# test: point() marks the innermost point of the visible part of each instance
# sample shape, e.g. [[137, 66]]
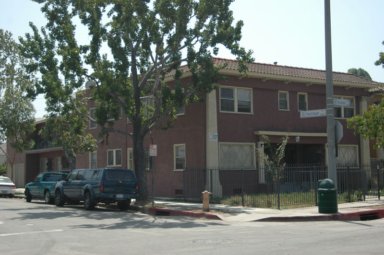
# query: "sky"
[[289, 32]]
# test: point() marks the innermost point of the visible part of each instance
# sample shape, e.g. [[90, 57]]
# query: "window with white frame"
[[92, 118], [302, 101], [180, 110], [237, 156], [283, 101], [93, 159], [130, 159], [348, 155], [345, 111], [237, 100], [114, 157], [179, 156]]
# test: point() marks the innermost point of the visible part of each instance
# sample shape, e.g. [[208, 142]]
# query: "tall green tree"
[[360, 72], [380, 61], [370, 124], [16, 110], [134, 47]]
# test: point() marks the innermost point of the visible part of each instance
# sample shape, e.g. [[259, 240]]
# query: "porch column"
[[212, 146], [364, 143]]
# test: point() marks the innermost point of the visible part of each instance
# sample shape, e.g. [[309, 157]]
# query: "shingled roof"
[[288, 73]]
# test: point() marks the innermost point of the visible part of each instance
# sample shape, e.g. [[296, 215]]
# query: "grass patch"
[[287, 200]]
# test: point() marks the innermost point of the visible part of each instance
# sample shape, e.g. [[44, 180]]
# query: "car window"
[[53, 177], [80, 175], [92, 174], [72, 175], [114, 175], [38, 177]]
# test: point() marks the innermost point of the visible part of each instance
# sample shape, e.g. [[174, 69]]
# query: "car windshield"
[[114, 175], [5, 180]]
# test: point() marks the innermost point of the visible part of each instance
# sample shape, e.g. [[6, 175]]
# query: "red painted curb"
[[171, 212], [352, 216]]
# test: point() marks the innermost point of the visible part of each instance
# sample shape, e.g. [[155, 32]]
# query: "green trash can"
[[327, 196]]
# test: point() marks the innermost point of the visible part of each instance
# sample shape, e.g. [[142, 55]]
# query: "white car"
[[7, 187]]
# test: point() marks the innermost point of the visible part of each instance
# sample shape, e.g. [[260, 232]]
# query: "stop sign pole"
[[329, 96]]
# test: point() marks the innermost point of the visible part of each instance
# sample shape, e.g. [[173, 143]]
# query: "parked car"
[[43, 186], [106, 185], [7, 187]]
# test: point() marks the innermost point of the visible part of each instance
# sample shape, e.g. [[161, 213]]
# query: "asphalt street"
[[36, 228]]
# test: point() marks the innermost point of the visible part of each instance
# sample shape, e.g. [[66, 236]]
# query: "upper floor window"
[[114, 157], [283, 101], [302, 101], [347, 110], [235, 100], [92, 118]]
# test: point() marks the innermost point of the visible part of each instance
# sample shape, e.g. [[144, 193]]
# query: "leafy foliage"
[[135, 48], [360, 72], [274, 158], [16, 111], [3, 169], [370, 124], [68, 130], [380, 61]]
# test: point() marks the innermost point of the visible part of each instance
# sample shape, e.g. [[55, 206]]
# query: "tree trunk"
[[139, 162]]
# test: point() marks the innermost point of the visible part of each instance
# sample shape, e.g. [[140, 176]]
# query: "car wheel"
[[59, 198], [47, 197], [124, 205], [89, 204], [28, 196]]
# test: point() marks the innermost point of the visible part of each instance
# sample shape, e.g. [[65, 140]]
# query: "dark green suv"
[[106, 185], [43, 186]]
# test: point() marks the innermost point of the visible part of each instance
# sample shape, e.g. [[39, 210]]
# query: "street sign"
[[341, 102], [313, 113]]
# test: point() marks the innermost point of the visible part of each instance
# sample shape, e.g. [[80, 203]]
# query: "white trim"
[[348, 107], [278, 100], [235, 99], [298, 100], [174, 157], [130, 151], [92, 118], [114, 157], [90, 159]]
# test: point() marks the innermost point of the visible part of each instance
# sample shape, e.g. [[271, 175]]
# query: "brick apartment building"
[[225, 131]]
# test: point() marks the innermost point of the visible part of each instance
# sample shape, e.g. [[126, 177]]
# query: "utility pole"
[[329, 96]]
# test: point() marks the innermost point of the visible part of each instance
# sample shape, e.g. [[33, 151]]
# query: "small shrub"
[[3, 169]]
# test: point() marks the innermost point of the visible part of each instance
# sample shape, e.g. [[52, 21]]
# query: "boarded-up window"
[[237, 156], [347, 155]]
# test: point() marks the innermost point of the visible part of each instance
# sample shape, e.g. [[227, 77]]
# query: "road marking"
[[31, 232]]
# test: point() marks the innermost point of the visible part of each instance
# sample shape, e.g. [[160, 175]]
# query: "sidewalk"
[[364, 210]]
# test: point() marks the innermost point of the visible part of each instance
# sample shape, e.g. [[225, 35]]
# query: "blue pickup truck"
[[43, 187]]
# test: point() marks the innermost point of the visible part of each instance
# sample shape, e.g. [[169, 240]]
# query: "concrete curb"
[[171, 212], [351, 216]]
